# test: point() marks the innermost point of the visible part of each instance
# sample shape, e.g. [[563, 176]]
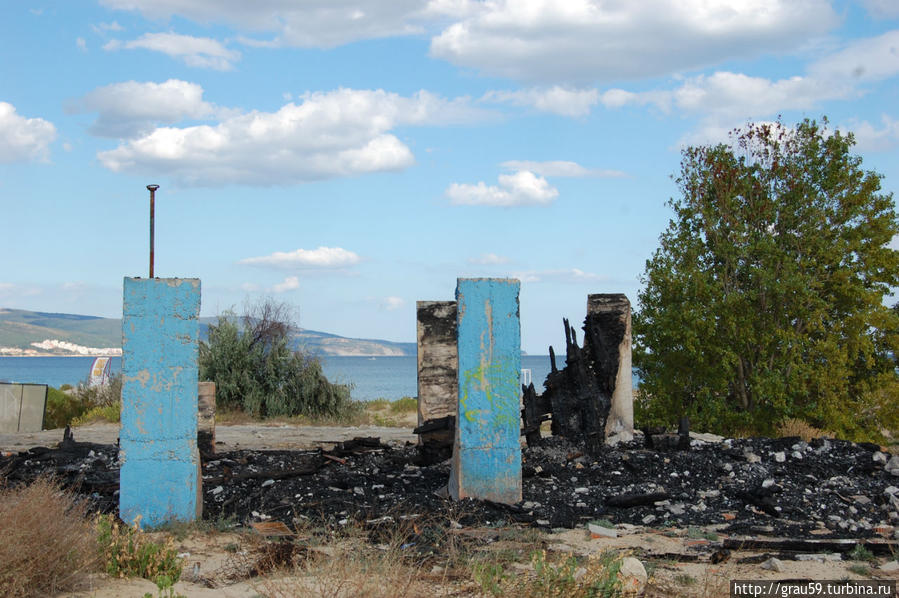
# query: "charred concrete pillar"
[[486, 460], [206, 418], [160, 475], [607, 343], [437, 366]]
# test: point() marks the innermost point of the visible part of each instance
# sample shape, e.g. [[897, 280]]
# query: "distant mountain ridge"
[[20, 328]]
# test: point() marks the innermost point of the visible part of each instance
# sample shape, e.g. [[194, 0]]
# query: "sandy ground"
[[228, 437]]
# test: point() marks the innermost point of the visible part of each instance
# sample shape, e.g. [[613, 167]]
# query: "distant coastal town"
[[58, 348]]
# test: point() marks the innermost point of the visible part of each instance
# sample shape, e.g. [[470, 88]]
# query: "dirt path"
[[240, 436]]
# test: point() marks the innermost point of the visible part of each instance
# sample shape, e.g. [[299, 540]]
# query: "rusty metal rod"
[[152, 189]]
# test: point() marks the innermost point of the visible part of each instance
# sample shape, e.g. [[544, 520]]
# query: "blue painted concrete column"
[[160, 475], [487, 452]]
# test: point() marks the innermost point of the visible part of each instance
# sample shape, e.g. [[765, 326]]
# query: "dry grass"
[[48, 542], [797, 427]]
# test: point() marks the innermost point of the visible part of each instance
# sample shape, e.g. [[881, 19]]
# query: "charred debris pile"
[[783, 487]]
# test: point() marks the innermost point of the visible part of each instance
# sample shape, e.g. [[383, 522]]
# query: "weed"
[[603, 523], [685, 579], [109, 413], [129, 551], [404, 405], [166, 588], [862, 570], [797, 427], [695, 533], [860, 553], [491, 577], [48, 541]]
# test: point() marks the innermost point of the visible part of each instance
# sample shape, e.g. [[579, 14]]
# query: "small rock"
[[773, 564], [216, 491], [768, 483], [892, 465], [581, 490], [780, 456], [752, 457], [889, 567], [862, 499], [632, 575], [267, 483], [649, 519], [879, 457], [678, 509], [729, 467], [891, 490], [542, 522], [796, 455], [358, 490], [823, 558]]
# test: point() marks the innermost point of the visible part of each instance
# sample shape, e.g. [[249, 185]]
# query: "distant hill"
[[20, 328]]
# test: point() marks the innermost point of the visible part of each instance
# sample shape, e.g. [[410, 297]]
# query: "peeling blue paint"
[[159, 480], [487, 451]]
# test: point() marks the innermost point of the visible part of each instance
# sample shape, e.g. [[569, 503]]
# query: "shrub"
[[84, 404], [62, 408], [129, 552], [255, 370], [48, 543]]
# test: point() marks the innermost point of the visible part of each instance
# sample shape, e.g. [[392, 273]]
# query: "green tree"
[[255, 370], [765, 298]]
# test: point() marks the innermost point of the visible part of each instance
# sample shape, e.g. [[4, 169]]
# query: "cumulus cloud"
[[311, 23], [290, 283], [322, 257], [489, 259], [556, 100], [887, 9], [328, 134], [103, 28], [865, 60], [133, 108], [562, 168], [201, 52], [23, 139], [591, 40], [571, 276], [869, 137], [522, 188], [392, 303]]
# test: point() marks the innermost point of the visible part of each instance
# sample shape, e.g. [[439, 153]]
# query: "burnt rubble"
[[773, 487]]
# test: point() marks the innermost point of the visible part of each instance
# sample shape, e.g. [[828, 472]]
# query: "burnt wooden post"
[[607, 346], [437, 368]]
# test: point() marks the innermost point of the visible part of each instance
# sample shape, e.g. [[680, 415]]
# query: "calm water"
[[372, 378]]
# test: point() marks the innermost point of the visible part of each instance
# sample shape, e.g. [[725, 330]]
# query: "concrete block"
[[160, 476], [437, 364], [22, 407], [486, 460]]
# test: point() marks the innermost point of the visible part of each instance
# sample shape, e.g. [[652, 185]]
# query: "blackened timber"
[[635, 500]]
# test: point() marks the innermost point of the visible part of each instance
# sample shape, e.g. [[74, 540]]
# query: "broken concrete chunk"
[[773, 564], [605, 532]]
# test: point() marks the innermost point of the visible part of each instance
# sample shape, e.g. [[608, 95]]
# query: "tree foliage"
[[255, 370], [764, 300]]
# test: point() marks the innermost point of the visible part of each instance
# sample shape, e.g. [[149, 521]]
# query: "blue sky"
[[352, 157]]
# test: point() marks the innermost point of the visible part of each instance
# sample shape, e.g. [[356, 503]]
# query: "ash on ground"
[[777, 487]]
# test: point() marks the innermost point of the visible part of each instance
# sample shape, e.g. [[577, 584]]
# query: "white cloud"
[[329, 134], [870, 138], [562, 168], [322, 257], [23, 139], [591, 40], [103, 28], [290, 283], [570, 276], [311, 23], [201, 52], [519, 189], [392, 303], [864, 60], [133, 108], [887, 9], [81, 44], [556, 100], [489, 259]]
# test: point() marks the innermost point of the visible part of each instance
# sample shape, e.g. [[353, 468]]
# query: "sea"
[[370, 377]]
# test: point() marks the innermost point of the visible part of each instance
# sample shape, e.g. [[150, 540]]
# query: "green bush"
[[83, 404], [255, 370]]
